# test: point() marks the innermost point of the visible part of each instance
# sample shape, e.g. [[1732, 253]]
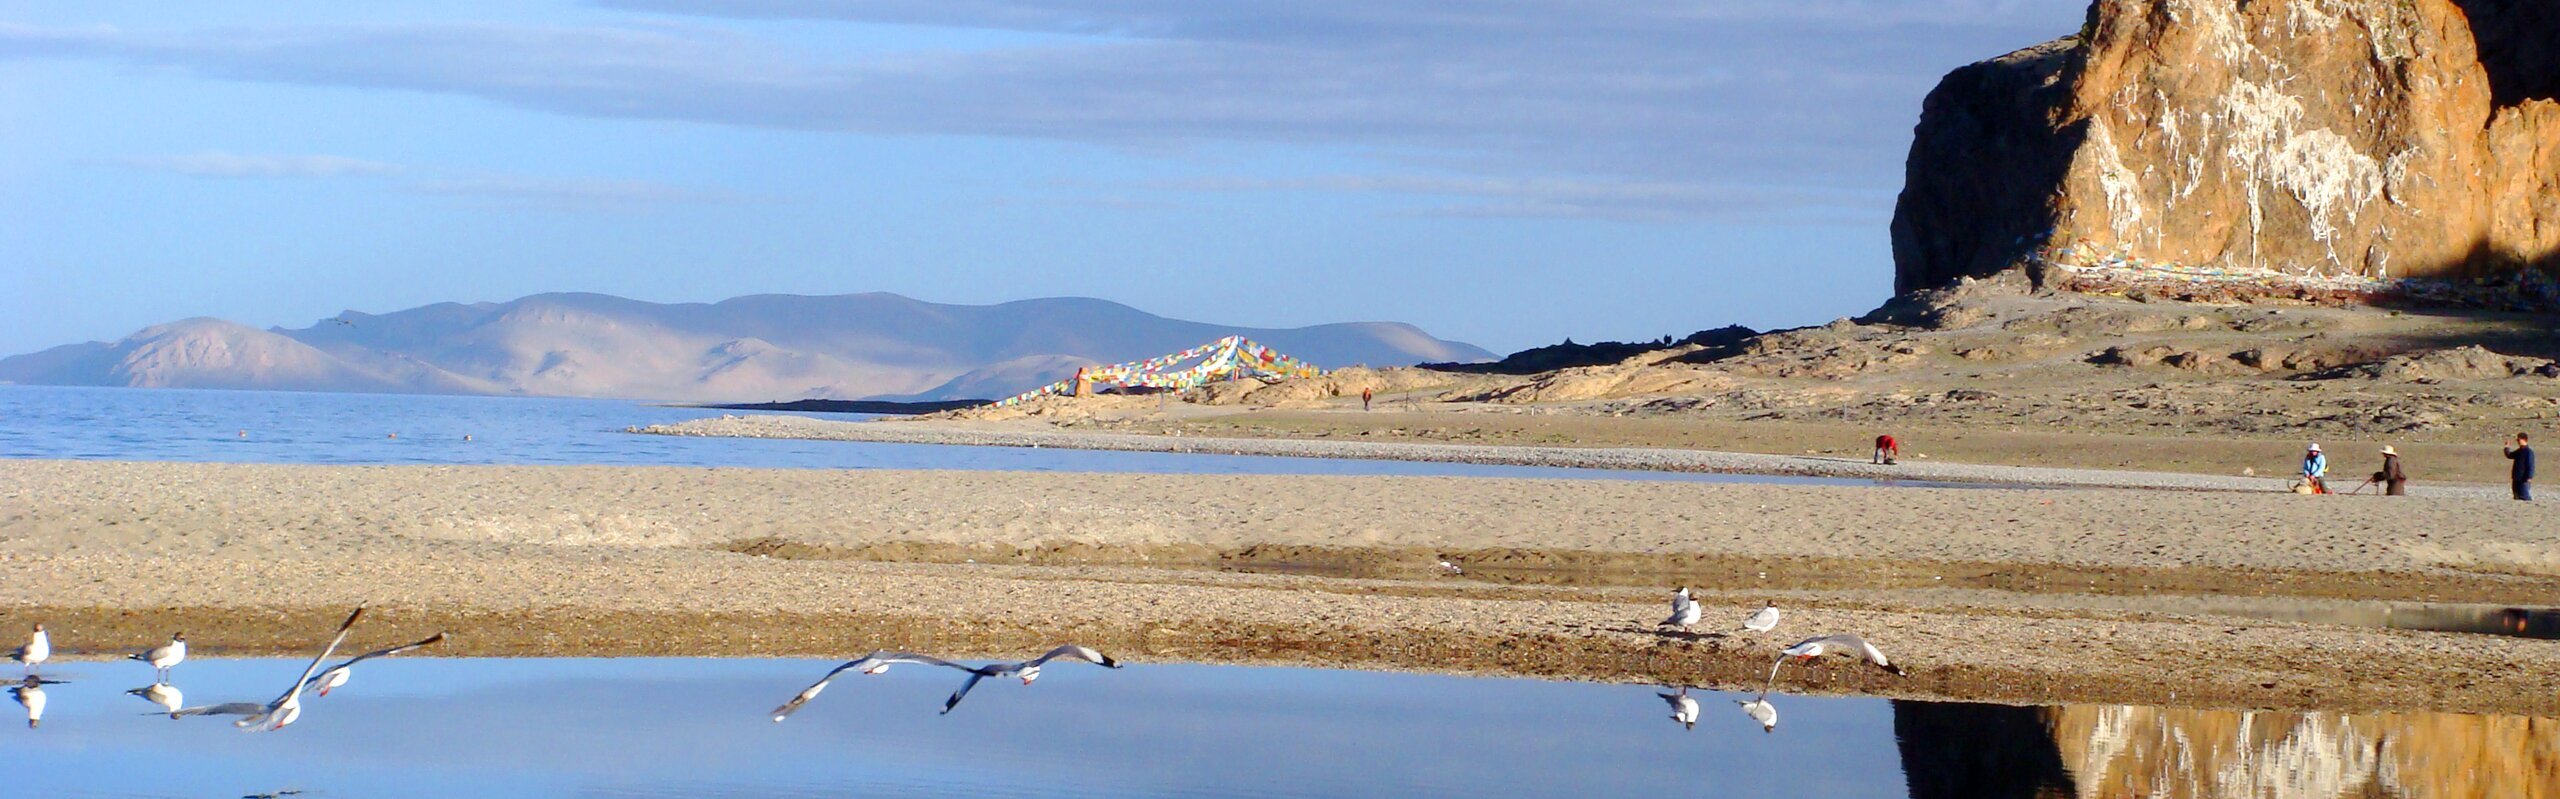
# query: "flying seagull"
[[1763, 621], [1807, 650], [337, 675], [163, 657], [1683, 709], [873, 663], [39, 647], [284, 709], [1684, 611], [1027, 670]]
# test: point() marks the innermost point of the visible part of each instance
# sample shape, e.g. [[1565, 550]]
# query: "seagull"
[[164, 657], [39, 646], [1683, 708], [167, 696], [1027, 670], [1763, 621], [873, 663], [285, 709], [1807, 650], [337, 675], [1684, 611], [1761, 711], [30, 693]]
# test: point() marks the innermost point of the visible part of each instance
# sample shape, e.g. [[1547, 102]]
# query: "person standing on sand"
[[2520, 473], [2395, 483], [1887, 450], [1364, 399], [2315, 466]]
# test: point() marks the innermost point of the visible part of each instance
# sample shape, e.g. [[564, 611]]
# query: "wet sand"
[[672, 561]]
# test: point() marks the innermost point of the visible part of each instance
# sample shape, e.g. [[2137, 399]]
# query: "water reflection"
[[1972, 750], [697, 728], [30, 694], [167, 696]]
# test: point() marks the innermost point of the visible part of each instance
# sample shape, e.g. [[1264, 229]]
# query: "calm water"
[[697, 728], [292, 427]]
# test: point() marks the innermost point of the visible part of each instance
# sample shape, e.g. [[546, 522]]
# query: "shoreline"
[[1650, 459]]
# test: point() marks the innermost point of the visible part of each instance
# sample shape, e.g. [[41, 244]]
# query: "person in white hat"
[[2395, 483], [2315, 466]]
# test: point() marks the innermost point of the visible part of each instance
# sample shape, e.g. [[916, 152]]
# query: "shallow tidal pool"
[[429, 727]]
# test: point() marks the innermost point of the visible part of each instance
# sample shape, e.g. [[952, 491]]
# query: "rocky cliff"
[[2271, 141]]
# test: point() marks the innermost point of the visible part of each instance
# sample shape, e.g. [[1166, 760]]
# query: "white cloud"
[[1740, 92], [571, 192], [234, 165]]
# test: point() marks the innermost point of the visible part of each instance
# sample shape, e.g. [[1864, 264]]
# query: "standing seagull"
[[1027, 670], [164, 657], [337, 675], [1807, 650], [1763, 621], [1684, 611], [39, 647], [1683, 708], [167, 696], [873, 663], [1761, 711]]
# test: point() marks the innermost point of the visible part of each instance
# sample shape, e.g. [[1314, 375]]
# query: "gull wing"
[[378, 653], [1073, 652], [325, 652], [224, 709], [956, 696], [864, 662]]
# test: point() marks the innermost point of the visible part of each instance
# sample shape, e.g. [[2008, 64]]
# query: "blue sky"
[[1505, 172]]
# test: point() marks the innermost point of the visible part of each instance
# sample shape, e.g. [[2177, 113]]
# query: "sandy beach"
[[1564, 578]]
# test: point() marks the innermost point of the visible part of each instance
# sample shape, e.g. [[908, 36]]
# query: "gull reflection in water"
[[30, 693], [167, 696], [1683, 709], [1759, 709]]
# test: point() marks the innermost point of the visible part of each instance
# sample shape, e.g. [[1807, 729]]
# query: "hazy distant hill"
[[764, 347]]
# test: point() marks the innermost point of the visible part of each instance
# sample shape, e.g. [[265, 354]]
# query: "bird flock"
[[1686, 613], [267, 716], [286, 707]]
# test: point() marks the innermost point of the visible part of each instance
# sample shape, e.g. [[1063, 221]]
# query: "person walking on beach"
[[1364, 399], [2520, 473], [2315, 466], [1888, 451], [2395, 483]]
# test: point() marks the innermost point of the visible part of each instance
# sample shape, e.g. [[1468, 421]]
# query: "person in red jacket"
[[1887, 449]]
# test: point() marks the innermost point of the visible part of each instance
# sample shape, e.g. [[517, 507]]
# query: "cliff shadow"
[[2519, 44], [1962, 750]]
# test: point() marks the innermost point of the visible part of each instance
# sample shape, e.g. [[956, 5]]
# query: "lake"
[[295, 427], [426, 727]]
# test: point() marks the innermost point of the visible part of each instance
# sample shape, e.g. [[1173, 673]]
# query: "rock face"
[[2352, 139]]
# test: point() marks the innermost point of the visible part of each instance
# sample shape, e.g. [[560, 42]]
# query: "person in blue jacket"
[[2520, 473]]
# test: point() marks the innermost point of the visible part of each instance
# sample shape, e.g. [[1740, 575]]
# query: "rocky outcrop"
[[2222, 141]]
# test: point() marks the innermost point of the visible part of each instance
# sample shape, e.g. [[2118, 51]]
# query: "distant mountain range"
[[748, 349]]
